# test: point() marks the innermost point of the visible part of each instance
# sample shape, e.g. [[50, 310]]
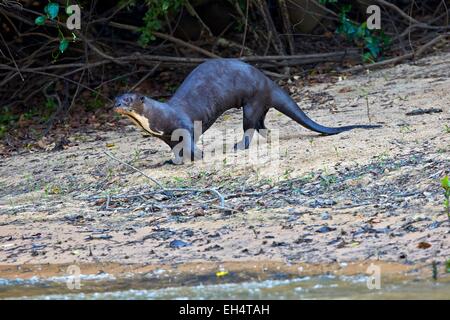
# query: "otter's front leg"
[[182, 157], [185, 150]]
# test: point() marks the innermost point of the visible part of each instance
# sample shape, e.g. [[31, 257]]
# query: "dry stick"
[[306, 57], [446, 11], [163, 189], [231, 44], [245, 18], [273, 34], [146, 59], [400, 11], [194, 13], [275, 75], [54, 76], [381, 63], [12, 57], [417, 24], [206, 190], [135, 169], [430, 43], [287, 25], [166, 37], [244, 38], [145, 77], [311, 58]]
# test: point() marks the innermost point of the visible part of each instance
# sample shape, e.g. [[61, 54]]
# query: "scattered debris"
[[418, 112]]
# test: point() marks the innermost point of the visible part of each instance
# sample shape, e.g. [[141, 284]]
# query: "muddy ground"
[[357, 196]]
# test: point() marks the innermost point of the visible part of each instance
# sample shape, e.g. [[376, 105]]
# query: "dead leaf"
[[100, 202], [423, 245], [41, 144], [345, 89]]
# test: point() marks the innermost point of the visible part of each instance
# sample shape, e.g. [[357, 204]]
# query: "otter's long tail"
[[284, 103]]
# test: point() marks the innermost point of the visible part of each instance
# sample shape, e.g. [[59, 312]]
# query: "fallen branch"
[[400, 11], [194, 13], [273, 34], [303, 58], [164, 190], [135, 169], [287, 25], [420, 111], [166, 37]]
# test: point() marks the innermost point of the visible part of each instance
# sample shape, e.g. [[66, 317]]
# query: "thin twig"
[[287, 25], [166, 37], [273, 34], [151, 72], [193, 12], [135, 169], [219, 196]]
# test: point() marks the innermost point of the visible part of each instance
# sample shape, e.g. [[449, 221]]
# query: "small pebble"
[[175, 244], [325, 216]]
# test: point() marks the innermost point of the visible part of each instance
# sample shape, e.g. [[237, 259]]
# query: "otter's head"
[[132, 105]]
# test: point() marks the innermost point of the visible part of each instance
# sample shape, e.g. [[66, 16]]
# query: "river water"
[[314, 287]]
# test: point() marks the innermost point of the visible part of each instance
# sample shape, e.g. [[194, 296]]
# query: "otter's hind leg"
[[253, 120]]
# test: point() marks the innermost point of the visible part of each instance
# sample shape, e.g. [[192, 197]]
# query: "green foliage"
[[446, 128], [40, 20], [445, 183], [3, 130], [50, 107], [63, 44], [326, 180], [373, 42], [41, 113], [6, 119], [447, 266], [156, 11], [52, 11], [95, 103]]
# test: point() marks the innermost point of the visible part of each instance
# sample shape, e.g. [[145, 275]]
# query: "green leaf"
[[367, 57], [52, 10], [40, 20], [447, 266], [373, 46], [445, 182], [165, 5], [63, 44], [346, 8]]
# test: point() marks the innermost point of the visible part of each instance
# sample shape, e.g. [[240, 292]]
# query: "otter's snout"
[[128, 102], [124, 102]]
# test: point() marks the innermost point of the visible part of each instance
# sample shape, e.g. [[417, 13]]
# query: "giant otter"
[[209, 90]]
